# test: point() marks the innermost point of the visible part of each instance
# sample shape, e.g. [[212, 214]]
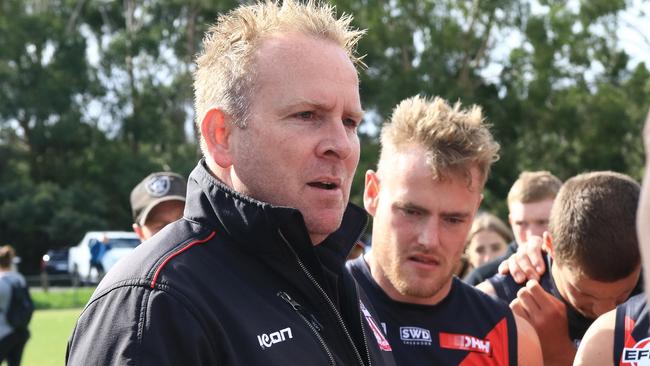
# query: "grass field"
[[68, 298], [50, 330]]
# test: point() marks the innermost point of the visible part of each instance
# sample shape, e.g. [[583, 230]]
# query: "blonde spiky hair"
[[455, 139]]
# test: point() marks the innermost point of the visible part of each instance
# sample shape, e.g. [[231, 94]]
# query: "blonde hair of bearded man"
[[455, 139]]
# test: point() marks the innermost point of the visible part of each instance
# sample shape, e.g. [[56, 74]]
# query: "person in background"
[[593, 260], [434, 161], [12, 341], [159, 199], [621, 336], [254, 272], [529, 204], [488, 238], [98, 249]]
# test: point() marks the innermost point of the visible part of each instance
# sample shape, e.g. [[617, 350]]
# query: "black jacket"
[[234, 282]]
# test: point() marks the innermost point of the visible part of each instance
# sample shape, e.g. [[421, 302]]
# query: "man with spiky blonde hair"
[[434, 162], [253, 274], [455, 140]]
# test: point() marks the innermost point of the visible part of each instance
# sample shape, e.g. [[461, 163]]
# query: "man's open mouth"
[[424, 260], [323, 185]]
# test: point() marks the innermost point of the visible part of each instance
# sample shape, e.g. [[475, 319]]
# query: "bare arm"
[[597, 346], [487, 288], [643, 214], [529, 350], [548, 316]]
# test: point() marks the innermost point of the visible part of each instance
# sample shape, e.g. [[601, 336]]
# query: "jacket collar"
[[252, 223]]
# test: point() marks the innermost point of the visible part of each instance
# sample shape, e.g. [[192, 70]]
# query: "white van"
[[121, 243]]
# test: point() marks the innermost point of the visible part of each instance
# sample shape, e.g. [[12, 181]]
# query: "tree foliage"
[[94, 95]]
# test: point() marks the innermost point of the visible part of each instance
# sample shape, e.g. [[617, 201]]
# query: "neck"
[[223, 174]]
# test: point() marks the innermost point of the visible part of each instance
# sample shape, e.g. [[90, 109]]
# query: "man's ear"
[[371, 192], [216, 133], [547, 244], [138, 230]]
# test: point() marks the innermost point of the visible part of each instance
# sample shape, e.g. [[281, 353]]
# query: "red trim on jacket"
[[201, 241]]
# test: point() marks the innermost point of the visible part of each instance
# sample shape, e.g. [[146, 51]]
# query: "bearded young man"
[[434, 162]]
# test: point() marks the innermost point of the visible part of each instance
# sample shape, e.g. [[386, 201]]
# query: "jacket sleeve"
[[140, 326]]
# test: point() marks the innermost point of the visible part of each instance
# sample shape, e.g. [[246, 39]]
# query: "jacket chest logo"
[[267, 340]]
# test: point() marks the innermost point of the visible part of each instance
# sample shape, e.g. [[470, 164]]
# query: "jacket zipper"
[[361, 316], [329, 302], [363, 330], [313, 324]]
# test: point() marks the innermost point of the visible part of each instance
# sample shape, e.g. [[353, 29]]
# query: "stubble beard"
[[424, 288]]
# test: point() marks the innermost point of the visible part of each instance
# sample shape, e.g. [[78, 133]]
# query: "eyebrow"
[[312, 104], [597, 297], [412, 206]]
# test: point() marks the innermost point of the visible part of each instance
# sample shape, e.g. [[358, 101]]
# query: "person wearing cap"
[[156, 201]]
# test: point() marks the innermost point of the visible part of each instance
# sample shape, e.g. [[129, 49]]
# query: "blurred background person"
[[159, 199], [98, 249], [488, 239], [12, 339], [529, 206]]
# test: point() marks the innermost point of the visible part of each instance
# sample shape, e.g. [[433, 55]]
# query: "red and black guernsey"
[[632, 332], [466, 328]]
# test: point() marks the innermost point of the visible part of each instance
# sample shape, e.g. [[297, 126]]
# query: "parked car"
[[120, 242], [54, 264]]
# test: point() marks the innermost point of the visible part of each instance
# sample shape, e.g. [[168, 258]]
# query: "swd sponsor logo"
[[415, 336], [638, 355], [267, 340]]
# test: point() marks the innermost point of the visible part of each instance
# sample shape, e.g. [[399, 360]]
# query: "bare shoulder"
[[487, 288], [597, 346], [529, 352]]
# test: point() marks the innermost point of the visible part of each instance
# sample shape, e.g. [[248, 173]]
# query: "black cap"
[[154, 189]]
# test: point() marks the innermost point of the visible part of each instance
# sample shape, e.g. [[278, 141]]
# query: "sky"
[[632, 25], [634, 32]]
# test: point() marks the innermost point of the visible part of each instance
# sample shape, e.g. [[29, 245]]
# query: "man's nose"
[[430, 234], [336, 140]]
